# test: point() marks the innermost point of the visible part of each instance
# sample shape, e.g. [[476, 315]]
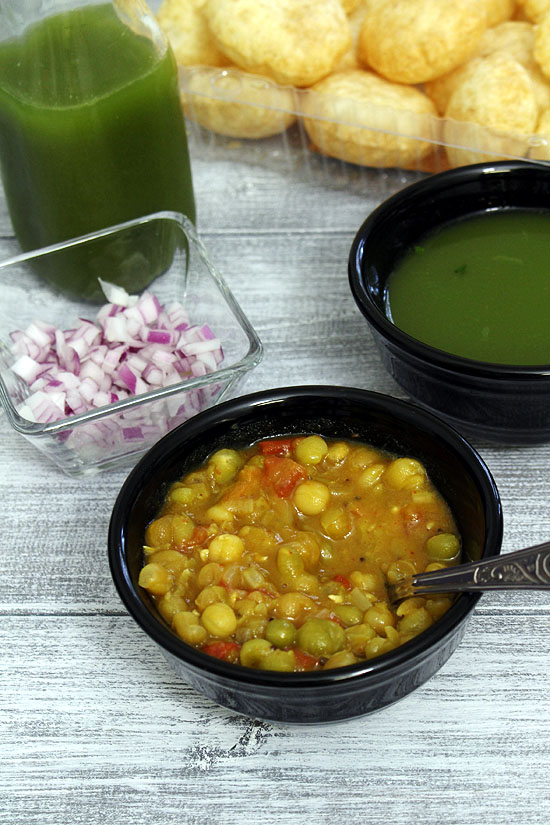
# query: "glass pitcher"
[[92, 132]]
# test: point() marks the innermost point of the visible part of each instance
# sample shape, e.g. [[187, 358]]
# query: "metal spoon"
[[527, 569]]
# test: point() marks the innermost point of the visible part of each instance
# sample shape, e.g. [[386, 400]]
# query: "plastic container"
[[236, 102], [118, 433]]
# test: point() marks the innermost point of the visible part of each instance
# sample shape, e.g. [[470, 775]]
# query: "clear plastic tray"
[[425, 139]]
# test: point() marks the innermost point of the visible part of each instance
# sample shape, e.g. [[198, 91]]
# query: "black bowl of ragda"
[[257, 542]]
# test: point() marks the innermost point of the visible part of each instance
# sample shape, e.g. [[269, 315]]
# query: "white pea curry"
[[278, 556]]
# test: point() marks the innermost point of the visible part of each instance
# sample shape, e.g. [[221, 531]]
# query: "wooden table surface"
[[95, 727]]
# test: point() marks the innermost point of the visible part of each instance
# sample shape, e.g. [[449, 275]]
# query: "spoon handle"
[[527, 569]]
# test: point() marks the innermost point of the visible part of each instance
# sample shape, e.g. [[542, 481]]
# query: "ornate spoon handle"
[[527, 569]]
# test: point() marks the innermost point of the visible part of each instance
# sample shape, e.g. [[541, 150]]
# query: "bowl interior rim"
[[227, 411]]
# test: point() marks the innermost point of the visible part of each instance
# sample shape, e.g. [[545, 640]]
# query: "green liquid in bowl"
[[92, 134], [479, 288]]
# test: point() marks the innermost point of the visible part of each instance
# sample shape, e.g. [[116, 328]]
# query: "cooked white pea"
[[335, 522], [405, 473], [219, 619], [224, 465], [311, 450], [225, 548], [311, 497], [156, 578]]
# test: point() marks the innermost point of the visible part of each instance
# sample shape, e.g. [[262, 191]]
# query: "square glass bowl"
[[117, 433]]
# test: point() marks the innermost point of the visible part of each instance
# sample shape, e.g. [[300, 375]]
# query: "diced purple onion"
[[134, 345]]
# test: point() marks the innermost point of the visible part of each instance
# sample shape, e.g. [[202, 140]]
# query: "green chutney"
[[92, 133], [479, 288]]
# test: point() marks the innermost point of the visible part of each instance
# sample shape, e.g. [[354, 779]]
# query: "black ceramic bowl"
[[391, 424], [505, 404]]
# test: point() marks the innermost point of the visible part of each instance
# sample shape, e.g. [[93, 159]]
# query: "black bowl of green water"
[[452, 274]]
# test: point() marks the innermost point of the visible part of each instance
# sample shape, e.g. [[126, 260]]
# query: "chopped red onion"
[[116, 330], [27, 368], [117, 294], [148, 307], [88, 389], [134, 345], [197, 347], [38, 333]]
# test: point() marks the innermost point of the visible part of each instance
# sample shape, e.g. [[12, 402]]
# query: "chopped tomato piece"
[[283, 474], [197, 537], [247, 484], [276, 446], [228, 651], [343, 580], [304, 661]]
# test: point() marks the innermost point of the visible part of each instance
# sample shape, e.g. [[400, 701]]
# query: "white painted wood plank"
[[114, 730]]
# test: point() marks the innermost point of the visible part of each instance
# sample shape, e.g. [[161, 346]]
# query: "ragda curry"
[[278, 556]]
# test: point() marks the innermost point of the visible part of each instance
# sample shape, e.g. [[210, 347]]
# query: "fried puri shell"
[[295, 42], [541, 48], [350, 59], [534, 10], [441, 89], [499, 10], [498, 103], [185, 25], [513, 38], [542, 150], [413, 41], [237, 104], [361, 118], [350, 5]]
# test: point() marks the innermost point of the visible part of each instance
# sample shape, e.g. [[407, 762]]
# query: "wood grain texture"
[[95, 727]]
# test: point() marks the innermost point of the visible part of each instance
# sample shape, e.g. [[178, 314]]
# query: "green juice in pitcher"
[[92, 134]]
